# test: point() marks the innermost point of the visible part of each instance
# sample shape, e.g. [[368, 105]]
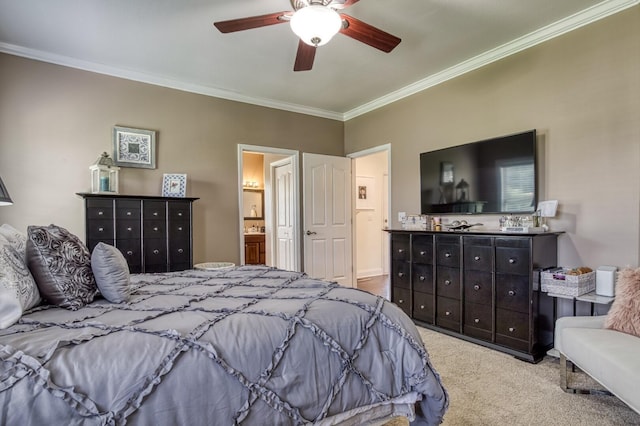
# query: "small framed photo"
[[174, 185], [134, 147], [364, 193]]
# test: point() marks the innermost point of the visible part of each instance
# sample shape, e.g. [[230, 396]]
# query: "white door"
[[284, 214], [327, 218]]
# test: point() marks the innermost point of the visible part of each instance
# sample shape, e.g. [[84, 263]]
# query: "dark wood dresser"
[[479, 286], [153, 233]]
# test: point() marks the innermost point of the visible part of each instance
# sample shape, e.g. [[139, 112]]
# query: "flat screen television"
[[493, 176]]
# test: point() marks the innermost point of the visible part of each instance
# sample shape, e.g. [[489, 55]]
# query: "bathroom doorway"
[[262, 201]]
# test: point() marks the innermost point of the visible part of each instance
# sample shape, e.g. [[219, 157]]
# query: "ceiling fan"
[[316, 22]]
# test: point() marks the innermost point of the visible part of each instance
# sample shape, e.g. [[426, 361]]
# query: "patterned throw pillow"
[[16, 238], [111, 271], [61, 266], [18, 290]]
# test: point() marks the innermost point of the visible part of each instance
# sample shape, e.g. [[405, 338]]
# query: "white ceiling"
[[173, 43]]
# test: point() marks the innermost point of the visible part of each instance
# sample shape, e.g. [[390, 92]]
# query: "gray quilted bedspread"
[[248, 345]]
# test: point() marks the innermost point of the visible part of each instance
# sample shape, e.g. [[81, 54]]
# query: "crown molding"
[[163, 81], [580, 19]]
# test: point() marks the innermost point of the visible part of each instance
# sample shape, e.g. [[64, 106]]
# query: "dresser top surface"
[[138, 197], [494, 233]]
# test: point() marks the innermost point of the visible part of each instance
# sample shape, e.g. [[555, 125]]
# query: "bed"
[[249, 345]]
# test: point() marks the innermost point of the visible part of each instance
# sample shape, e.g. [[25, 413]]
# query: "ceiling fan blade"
[[241, 24], [305, 56], [342, 4], [367, 34]]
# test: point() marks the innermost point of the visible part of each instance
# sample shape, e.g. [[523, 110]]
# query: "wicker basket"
[[557, 282]]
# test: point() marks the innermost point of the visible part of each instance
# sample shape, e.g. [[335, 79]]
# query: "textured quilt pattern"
[[249, 345]]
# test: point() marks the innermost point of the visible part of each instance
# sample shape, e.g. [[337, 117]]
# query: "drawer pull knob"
[[400, 274], [512, 329], [447, 282], [400, 301], [476, 287], [180, 251], [422, 253], [421, 306], [512, 293], [129, 229], [100, 229], [447, 313], [128, 213], [512, 261], [155, 213], [129, 253], [100, 213], [179, 228], [179, 213], [156, 251], [422, 278], [155, 228], [447, 254], [477, 258], [400, 250], [476, 320]]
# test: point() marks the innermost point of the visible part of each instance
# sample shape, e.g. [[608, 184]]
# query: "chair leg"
[[563, 373], [564, 366]]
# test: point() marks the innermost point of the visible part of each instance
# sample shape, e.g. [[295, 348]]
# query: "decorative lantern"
[[462, 190], [104, 175]]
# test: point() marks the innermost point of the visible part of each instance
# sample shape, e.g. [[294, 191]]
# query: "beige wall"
[[55, 122], [581, 91]]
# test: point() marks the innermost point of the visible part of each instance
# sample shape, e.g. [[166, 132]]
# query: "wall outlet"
[[401, 216]]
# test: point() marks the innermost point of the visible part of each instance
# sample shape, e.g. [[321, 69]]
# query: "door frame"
[[295, 161], [353, 156]]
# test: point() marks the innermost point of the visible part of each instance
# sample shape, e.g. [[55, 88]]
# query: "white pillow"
[[18, 289], [10, 307]]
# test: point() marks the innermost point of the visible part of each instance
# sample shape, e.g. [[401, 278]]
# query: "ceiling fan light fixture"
[[315, 24]]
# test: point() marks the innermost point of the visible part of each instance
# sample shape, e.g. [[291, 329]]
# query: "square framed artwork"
[[134, 147], [174, 185]]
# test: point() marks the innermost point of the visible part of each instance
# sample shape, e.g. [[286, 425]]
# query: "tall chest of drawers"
[[482, 287], [153, 233]]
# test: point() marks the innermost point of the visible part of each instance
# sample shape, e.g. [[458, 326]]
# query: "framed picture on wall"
[[134, 147], [365, 193], [174, 185]]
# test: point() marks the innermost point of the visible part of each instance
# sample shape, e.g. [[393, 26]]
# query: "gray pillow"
[[111, 271], [61, 266]]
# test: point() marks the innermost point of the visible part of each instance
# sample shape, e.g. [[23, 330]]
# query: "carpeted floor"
[[487, 387]]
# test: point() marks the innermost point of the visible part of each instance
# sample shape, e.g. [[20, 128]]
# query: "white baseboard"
[[366, 273]]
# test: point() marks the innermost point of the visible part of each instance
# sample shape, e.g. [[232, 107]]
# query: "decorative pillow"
[[15, 238], [624, 314], [61, 266], [18, 290], [111, 271]]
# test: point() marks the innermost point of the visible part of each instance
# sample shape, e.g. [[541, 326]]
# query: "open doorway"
[[371, 171], [261, 199]]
